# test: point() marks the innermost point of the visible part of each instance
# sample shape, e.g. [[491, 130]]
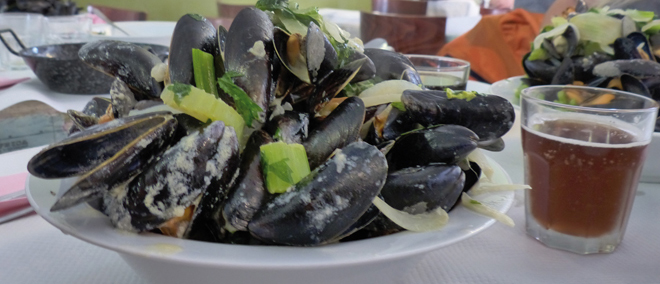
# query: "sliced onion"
[[478, 157], [386, 92], [483, 186], [424, 222], [482, 209]]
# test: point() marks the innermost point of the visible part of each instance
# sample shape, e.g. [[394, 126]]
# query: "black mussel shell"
[[325, 203], [392, 65], [191, 31], [145, 139], [565, 73], [207, 221], [249, 51], [249, 192], [446, 144], [129, 62], [290, 127], [339, 129], [489, 116], [418, 190], [368, 69]]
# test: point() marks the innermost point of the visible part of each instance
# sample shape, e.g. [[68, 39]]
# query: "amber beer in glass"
[[583, 160]]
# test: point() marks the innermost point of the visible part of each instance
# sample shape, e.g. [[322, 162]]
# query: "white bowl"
[[651, 170], [139, 31], [160, 259]]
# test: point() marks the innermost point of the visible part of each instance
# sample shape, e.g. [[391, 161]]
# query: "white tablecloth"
[[34, 252]]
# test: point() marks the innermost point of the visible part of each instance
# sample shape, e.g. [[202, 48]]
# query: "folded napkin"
[[8, 82], [496, 45], [13, 202]]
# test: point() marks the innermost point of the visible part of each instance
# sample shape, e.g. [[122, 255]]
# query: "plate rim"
[[272, 257]]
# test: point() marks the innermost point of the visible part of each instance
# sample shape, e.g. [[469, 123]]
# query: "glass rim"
[[524, 94], [465, 63]]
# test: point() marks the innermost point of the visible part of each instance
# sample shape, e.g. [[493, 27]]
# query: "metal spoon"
[[93, 10]]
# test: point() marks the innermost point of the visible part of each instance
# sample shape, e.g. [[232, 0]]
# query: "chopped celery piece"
[[283, 165], [202, 105], [204, 71], [652, 27]]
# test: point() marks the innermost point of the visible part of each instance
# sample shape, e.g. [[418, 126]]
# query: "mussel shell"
[[155, 133], [634, 85], [249, 193], [207, 221], [320, 54], [164, 190], [329, 86], [122, 98], [368, 69], [565, 73], [85, 150], [541, 70], [339, 129], [129, 62], [191, 31], [584, 66], [97, 106], [290, 127], [489, 116], [446, 144], [639, 68], [392, 65], [81, 121], [250, 27], [418, 190], [326, 202]]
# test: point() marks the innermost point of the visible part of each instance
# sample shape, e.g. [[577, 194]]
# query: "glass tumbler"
[[29, 27], [439, 72], [583, 154]]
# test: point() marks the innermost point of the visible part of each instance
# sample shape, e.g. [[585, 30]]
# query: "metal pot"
[[61, 70]]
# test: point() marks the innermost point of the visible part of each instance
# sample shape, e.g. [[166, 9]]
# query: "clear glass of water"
[[29, 27]]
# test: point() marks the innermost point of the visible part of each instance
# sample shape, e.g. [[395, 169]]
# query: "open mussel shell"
[[191, 31], [634, 46], [130, 63], [331, 85], [418, 190], [392, 65], [446, 144], [339, 129], [249, 51], [85, 150], [326, 202], [145, 139], [489, 116], [123, 99], [321, 55]]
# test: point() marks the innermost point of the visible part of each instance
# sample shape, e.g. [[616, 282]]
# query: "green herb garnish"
[[245, 106], [180, 91]]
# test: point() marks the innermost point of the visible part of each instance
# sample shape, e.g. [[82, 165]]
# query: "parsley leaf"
[[245, 106]]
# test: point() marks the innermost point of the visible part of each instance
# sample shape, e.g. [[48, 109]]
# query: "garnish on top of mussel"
[[260, 134], [609, 48]]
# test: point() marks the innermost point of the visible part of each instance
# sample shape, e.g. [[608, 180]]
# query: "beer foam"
[[609, 122]]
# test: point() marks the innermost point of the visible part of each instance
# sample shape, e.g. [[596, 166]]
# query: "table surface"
[[33, 251]]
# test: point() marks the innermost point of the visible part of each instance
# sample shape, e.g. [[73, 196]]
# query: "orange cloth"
[[496, 45]]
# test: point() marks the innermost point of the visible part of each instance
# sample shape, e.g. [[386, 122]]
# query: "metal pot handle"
[[2, 38]]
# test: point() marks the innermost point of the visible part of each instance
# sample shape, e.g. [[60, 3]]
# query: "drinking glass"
[[583, 154], [438, 72], [29, 27], [69, 29]]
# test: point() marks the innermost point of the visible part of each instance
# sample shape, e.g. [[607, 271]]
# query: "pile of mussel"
[[150, 168], [627, 58]]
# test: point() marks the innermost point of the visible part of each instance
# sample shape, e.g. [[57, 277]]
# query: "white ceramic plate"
[[139, 31], [160, 258], [507, 88]]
